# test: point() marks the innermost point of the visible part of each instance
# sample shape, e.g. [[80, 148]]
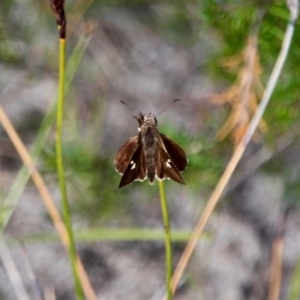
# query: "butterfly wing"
[[124, 155], [130, 161], [176, 153], [166, 166]]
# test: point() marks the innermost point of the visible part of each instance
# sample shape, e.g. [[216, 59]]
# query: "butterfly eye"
[[155, 120]]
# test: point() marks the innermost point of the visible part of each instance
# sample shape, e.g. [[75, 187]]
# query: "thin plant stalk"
[[294, 290], [106, 234], [44, 131], [238, 153], [60, 166], [46, 197], [168, 242], [12, 271], [277, 258], [36, 287], [276, 269]]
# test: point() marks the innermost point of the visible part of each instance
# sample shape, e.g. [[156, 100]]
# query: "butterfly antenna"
[[126, 105], [134, 110], [176, 100]]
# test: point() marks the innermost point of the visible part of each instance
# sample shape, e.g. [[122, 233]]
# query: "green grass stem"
[[168, 242], [109, 234], [60, 167]]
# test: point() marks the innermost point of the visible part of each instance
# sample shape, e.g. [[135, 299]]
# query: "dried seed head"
[[59, 12]]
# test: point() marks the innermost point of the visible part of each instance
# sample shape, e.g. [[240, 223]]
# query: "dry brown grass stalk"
[[48, 201]]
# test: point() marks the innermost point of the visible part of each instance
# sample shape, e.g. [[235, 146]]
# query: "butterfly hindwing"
[[166, 167], [176, 153]]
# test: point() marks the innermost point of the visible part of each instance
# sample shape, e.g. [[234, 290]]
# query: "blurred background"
[[215, 56]]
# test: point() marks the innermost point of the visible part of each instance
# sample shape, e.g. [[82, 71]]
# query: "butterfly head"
[[150, 119], [147, 119]]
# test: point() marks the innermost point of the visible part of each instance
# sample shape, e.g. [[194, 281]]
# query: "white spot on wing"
[[133, 166], [168, 163]]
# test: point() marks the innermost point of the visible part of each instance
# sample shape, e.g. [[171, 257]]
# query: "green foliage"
[[231, 19], [234, 22]]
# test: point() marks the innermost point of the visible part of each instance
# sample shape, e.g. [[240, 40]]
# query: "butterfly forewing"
[[136, 169], [176, 153], [124, 155]]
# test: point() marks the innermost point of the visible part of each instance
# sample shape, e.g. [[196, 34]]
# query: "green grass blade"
[[108, 234]]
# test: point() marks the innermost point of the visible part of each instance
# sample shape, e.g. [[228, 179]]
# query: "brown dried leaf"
[[244, 93]]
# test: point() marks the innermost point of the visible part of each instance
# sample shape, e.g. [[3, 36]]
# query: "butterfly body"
[[149, 136], [149, 154]]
